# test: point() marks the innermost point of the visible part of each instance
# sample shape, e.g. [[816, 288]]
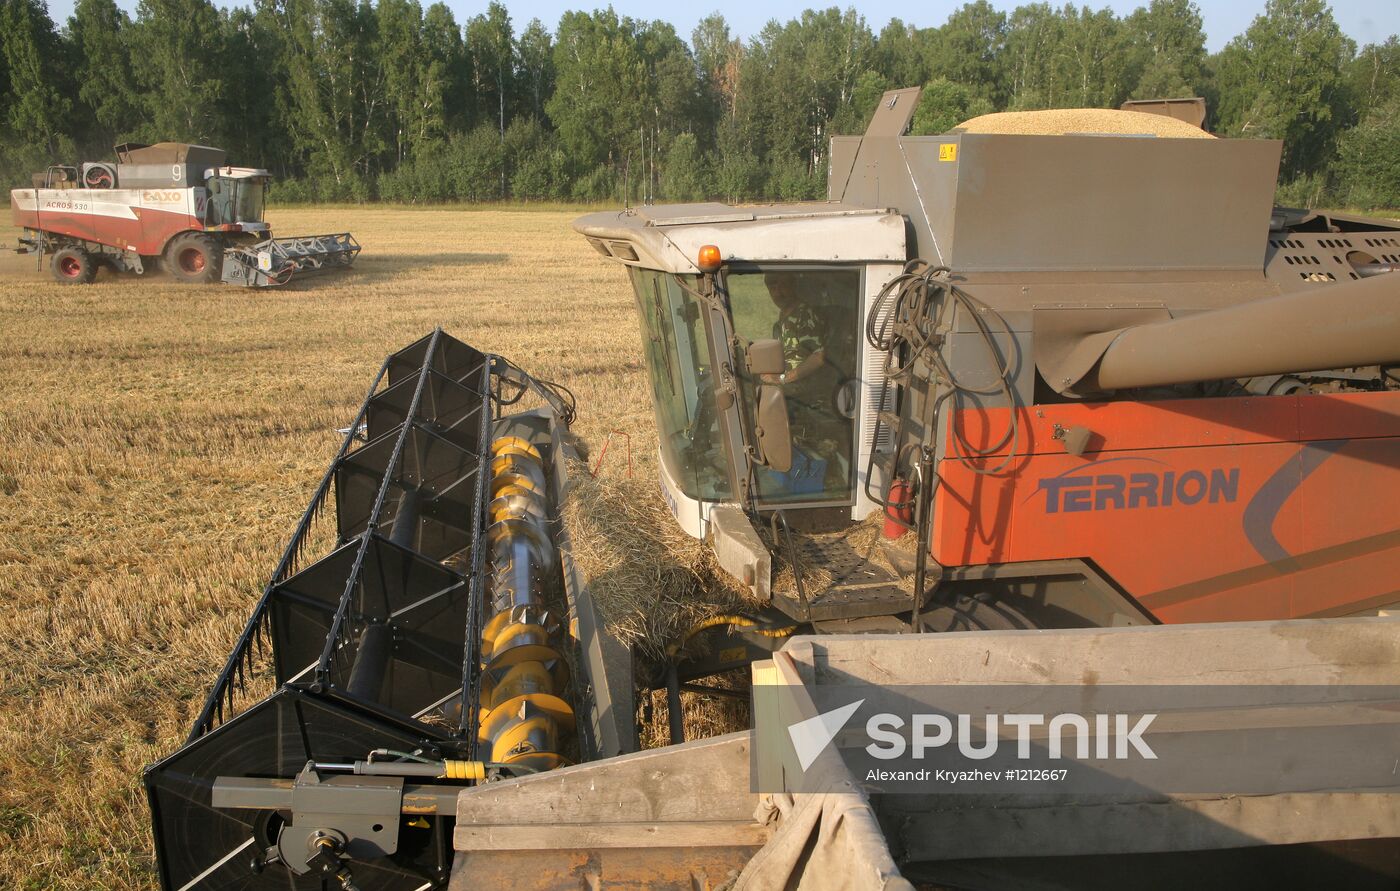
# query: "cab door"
[[815, 312]]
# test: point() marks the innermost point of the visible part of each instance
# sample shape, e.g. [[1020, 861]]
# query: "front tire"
[[195, 259], [74, 266]]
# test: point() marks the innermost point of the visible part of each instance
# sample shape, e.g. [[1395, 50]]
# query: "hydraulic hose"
[[747, 623]]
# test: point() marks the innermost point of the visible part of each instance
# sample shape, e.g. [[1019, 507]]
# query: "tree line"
[[354, 100]]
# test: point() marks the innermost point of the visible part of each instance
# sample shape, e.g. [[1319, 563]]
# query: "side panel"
[[1111, 203], [167, 212], [61, 211], [1202, 510], [142, 220]]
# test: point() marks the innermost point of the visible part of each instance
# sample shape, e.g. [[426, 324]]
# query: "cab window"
[[675, 341], [814, 312], [234, 200]]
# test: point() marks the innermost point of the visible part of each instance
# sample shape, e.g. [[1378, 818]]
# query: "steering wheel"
[[846, 397]]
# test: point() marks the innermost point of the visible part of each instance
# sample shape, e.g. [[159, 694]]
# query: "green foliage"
[[599, 87], [260, 138], [476, 165], [534, 166], [539, 170], [97, 34], [624, 91], [1282, 79], [686, 174], [491, 48], [901, 53], [1093, 65], [801, 77], [332, 90], [177, 59], [943, 105], [1373, 78], [597, 184], [468, 167], [969, 50], [534, 53], [353, 100], [718, 54], [1034, 35], [1367, 168], [37, 100], [738, 173], [1167, 50], [1307, 190], [398, 45], [792, 179]]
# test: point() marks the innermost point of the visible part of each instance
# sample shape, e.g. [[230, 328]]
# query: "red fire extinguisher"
[[899, 508]]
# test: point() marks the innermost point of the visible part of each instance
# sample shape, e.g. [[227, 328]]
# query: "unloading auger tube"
[[418, 656], [1351, 323]]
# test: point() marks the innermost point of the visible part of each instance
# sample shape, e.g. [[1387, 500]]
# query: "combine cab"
[[176, 203]]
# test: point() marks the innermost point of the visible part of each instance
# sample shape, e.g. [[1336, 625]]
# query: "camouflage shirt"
[[802, 333]]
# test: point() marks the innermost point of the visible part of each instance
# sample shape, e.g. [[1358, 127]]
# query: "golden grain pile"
[[159, 441], [1059, 121]]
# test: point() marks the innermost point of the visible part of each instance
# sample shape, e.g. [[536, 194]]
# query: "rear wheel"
[[74, 266], [194, 258]]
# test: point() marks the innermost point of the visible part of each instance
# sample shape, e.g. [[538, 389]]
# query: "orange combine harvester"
[[1103, 378]]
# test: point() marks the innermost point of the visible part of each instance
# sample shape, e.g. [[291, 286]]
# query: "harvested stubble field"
[[158, 442]]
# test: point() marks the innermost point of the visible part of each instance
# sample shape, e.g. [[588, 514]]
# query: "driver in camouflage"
[[809, 380]]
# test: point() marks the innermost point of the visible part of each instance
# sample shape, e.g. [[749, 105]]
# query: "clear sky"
[[1365, 21]]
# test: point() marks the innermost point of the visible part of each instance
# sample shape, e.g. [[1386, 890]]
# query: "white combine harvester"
[[171, 201]]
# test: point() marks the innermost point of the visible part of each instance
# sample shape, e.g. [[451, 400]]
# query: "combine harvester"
[[1125, 424], [173, 202]]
